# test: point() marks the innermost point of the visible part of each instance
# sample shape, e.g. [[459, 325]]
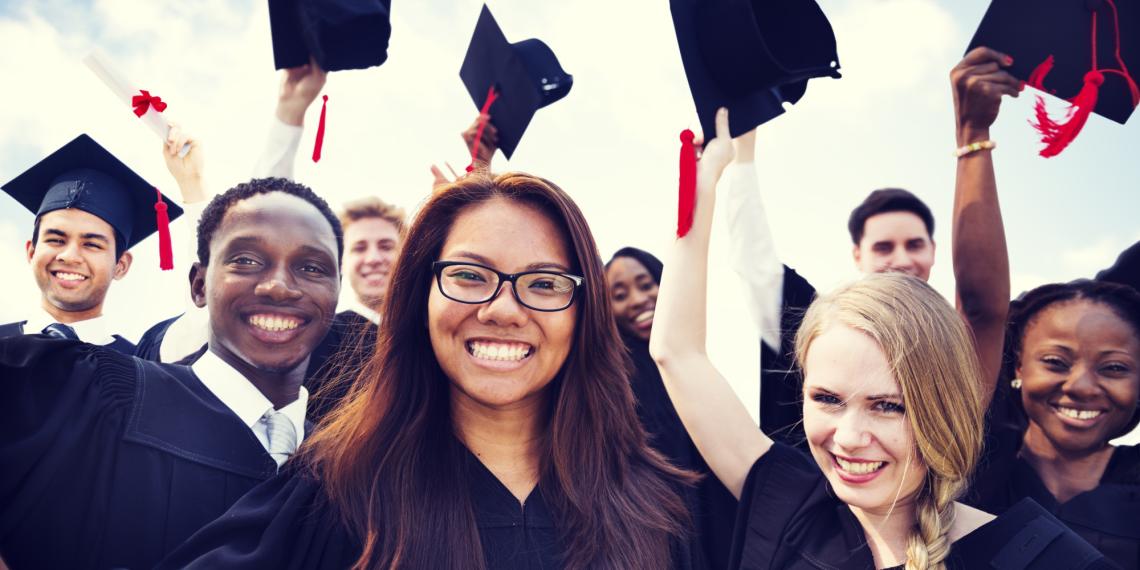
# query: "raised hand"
[[187, 170], [488, 142], [979, 81], [299, 88]]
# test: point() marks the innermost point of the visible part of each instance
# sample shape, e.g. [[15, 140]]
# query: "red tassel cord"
[[320, 142], [1057, 134], [484, 115], [687, 186], [162, 220]]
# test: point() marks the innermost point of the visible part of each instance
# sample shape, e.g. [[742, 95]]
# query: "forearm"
[[980, 257], [280, 151], [715, 418]]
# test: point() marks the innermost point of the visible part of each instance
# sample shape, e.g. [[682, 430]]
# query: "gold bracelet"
[[975, 147]]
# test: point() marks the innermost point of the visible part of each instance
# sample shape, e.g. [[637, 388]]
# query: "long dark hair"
[[1122, 299], [394, 470]]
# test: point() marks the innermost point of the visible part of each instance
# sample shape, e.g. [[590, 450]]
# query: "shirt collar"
[[361, 309], [93, 330], [241, 396]]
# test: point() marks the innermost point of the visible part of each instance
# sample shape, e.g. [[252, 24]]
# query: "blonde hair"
[[932, 357], [373, 207]]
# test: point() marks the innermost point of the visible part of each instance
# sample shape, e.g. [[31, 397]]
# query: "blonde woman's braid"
[[930, 543]]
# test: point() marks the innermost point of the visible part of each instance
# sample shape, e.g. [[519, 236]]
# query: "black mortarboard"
[[1126, 270], [84, 175], [751, 56], [526, 77], [338, 34], [1061, 33]]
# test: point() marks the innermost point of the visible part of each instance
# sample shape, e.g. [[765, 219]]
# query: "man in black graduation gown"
[[111, 461], [90, 210]]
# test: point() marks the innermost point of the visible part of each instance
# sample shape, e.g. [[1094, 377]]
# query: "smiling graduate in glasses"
[[495, 425]]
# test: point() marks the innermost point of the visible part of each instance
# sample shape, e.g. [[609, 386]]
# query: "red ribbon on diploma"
[[145, 101]]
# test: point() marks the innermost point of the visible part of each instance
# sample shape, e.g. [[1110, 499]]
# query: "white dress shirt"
[[245, 400], [752, 252], [92, 331]]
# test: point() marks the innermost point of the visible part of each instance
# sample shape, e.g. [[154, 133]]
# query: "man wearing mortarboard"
[[90, 209]]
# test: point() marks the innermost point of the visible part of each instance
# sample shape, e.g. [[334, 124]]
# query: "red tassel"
[[483, 116], [165, 248], [320, 142], [1058, 134], [1037, 78], [687, 187]]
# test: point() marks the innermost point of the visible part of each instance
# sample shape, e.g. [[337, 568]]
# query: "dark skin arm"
[[981, 261]]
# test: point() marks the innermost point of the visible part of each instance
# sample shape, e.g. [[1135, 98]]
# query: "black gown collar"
[[176, 413]]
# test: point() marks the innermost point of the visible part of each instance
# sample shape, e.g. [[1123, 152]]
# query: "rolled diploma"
[[100, 64]]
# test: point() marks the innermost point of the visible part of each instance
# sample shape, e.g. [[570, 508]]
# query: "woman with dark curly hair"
[[1072, 380], [493, 428]]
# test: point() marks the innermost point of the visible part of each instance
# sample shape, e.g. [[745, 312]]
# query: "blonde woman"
[[893, 415]]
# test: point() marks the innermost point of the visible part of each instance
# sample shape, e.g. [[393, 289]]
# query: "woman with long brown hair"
[[494, 427]]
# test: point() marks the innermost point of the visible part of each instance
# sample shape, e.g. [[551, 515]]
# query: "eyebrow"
[[539, 266], [89, 235], [869, 398]]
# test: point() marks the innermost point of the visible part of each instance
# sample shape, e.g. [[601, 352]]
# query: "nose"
[[1081, 384], [901, 259], [68, 253], [372, 255], [851, 431], [503, 309], [638, 298], [278, 286]]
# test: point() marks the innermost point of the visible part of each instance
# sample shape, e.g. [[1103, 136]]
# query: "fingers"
[[454, 174], [982, 54], [176, 138], [722, 124], [1000, 82]]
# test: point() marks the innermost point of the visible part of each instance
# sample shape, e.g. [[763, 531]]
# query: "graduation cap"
[[338, 34], [1078, 50], [751, 56], [85, 176], [510, 81]]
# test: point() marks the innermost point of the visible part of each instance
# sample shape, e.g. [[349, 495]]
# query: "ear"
[[856, 255], [31, 250], [123, 265], [198, 284]]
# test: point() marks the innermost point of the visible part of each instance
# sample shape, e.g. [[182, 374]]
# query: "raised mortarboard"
[[338, 34], [751, 56], [85, 176], [510, 81], [1078, 50]]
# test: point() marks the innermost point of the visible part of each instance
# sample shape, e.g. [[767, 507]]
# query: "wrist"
[[290, 114], [969, 134]]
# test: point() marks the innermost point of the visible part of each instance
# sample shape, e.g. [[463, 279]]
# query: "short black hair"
[[886, 200], [217, 208], [120, 243], [651, 263], [1121, 299]]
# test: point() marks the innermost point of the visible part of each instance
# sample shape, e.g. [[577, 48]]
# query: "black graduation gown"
[[781, 394], [1108, 517], [111, 461], [120, 344], [789, 518], [337, 360], [712, 505], [151, 341], [289, 524]]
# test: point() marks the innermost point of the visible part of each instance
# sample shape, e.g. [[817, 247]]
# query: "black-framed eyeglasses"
[[475, 284]]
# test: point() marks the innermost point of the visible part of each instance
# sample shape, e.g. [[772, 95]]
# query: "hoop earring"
[[1015, 383]]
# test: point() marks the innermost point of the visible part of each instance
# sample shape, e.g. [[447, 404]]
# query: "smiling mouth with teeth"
[[644, 317], [66, 276], [274, 323], [500, 351], [1077, 414], [859, 467]]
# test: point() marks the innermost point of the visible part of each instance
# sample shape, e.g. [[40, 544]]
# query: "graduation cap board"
[[751, 56], [338, 34], [510, 81], [85, 176], [1078, 50]]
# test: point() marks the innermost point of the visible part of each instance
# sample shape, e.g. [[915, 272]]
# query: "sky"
[[611, 143]]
